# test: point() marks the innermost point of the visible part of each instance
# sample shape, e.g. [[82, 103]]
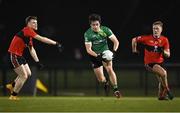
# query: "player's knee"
[[29, 73], [164, 74], [101, 79], [24, 76], [109, 69]]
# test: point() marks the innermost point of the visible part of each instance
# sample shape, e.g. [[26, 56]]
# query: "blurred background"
[[69, 72]]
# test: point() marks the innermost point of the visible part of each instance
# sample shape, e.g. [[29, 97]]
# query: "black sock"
[[105, 82], [13, 84], [14, 93]]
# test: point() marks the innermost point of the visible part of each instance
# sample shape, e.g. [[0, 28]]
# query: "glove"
[[99, 57], [39, 65], [114, 53], [59, 46]]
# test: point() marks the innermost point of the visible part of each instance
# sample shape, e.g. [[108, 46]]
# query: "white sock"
[[19, 84]]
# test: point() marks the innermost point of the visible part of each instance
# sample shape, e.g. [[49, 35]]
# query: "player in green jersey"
[[96, 43]]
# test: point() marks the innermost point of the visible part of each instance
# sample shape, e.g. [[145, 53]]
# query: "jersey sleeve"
[[140, 39], [28, 32], [87, 38], [108, 32]]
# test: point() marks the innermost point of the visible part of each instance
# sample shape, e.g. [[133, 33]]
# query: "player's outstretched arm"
[[49, 41], [134, 45], [45, 40]]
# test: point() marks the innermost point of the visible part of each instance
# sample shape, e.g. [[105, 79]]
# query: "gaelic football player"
[[156, 49], [96, 43], [24, 39]]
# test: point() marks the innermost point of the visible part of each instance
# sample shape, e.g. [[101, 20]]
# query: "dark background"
[[67, 20]]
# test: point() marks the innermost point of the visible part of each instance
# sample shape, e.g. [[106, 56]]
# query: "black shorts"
[[151, 65], [95, 62], [16, 60]]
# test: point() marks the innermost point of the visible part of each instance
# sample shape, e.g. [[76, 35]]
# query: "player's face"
[[33, 24], [95, 26], [157, 30]]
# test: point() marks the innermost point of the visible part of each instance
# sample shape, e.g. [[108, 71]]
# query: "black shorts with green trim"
[[95, 63]]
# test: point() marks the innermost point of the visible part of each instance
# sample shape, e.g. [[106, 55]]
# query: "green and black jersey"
[[98, 39]]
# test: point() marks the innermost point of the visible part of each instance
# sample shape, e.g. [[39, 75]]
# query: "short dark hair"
[[30, 18], [158, 23], [94, 17]]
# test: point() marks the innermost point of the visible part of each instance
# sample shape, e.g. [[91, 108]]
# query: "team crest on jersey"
[[156, 42], [159, 41]]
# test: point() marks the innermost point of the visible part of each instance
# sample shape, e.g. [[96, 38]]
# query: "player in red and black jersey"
[[24, 39], [156, 48]]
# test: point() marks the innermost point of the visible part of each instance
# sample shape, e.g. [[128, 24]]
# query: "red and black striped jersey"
[[21, 40], [153, 48]]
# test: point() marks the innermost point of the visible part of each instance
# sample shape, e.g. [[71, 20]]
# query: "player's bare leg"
[[163, 77], [162, 95], [99, 74], [112, 77], [11, 85], [102, 79], [22, 77]]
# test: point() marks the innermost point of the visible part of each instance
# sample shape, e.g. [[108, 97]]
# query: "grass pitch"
[[88, 104]]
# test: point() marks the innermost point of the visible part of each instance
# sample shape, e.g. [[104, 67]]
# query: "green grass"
[[88, 104]]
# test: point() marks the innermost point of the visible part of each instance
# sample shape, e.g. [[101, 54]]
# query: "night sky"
[[67, 20]]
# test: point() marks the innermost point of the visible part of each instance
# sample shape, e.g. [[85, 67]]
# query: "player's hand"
[[136, 53], [39, 65], [59, 46], [99, 57], [134, 50]]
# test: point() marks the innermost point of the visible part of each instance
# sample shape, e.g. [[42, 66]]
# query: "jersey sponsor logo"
[[99, 41], [151, 41], [155, 48], [155, 42]]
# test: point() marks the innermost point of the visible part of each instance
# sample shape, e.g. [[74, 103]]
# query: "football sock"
[[14, 93], [19, 83], [115, 88], [13, 84]]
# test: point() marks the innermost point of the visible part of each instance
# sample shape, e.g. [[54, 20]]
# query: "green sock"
[[115, 88]]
